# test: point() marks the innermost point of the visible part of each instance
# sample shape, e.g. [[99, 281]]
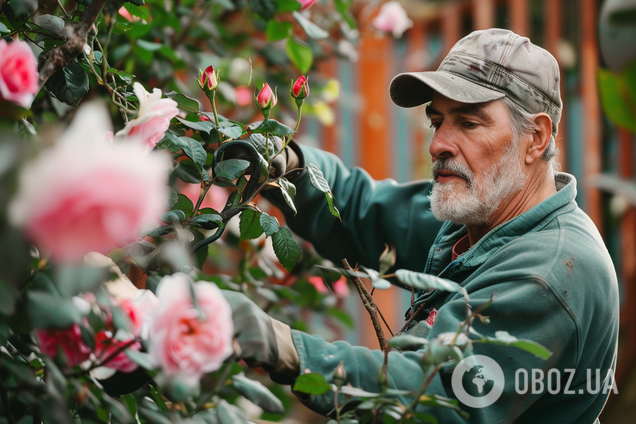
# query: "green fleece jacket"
[[547, 269]]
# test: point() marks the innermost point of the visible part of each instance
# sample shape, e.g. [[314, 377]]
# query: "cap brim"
[[412, 89]]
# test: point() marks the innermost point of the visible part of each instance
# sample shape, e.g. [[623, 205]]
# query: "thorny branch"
[[62, 55], [369, 305]]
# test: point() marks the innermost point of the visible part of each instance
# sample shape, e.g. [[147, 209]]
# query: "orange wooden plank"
[[591, 110], [553, 16], [519, 17], [483, 14], [375, 147]]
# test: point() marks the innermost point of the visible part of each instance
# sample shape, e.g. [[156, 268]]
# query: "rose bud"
[[266, 98], [340, 375], [300, 89], [208, 79], [305, 4]]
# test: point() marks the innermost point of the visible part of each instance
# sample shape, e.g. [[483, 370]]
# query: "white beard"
[[475, 203]]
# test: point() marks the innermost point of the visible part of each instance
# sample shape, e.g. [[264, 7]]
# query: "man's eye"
[[436, 125], [469, 124]]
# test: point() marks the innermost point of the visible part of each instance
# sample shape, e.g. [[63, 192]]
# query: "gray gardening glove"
[[254, 332], [263, 341]]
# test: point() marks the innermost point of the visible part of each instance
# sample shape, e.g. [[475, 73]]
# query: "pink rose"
[[68, 339], [243, 95], [18, 73], [340, 287], [184, 343], [85, 195], [153, 118], [392, 18], [106, 345], [305, 4], [215, 198]]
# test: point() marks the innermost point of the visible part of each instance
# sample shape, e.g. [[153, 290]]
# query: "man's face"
[[476, 163]]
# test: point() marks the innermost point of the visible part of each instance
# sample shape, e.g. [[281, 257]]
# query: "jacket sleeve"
[[526, 319], [373, 213]]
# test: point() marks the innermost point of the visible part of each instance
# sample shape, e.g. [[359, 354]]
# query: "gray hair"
[[522, 122]]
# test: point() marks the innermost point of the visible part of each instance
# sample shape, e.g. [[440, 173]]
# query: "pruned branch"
[[63, 54], [369, 305]]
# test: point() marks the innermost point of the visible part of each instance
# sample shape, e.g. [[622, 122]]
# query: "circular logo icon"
[[485, 378]]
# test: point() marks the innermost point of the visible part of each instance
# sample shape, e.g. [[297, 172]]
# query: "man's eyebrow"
[[466, 109]]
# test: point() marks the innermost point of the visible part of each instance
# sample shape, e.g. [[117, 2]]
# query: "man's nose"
[[443, 145]]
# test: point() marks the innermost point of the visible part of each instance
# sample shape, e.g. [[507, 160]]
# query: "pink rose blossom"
[[340, 287], [305, 4], [153, 119], [215, 198], [106, 345], [392, 18], [243, 95], [18, 73], [68, 339], [185, 344], [84, 194]]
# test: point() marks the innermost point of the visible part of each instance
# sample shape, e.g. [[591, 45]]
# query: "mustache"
[[452, 166]]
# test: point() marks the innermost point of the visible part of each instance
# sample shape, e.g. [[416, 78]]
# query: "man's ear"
[[540, 137]]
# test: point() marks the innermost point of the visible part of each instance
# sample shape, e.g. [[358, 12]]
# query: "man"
[[497, 219]]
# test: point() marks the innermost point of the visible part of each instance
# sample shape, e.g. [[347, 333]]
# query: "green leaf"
[[276, 31], [269, 224], [231, 169], [230, 130], [317, 178], [616, 101], [207, 221], [71, 281], [300, 55], [425, 417], [197, 153], [341, 316], [312, 30], [271, 126], [205, 126], [70, 84], [422, 281], [287, 5], [186, 103], [504, 338], [250, 225], [312, 383], [173, 216], [407, 342], [49, 311], [332, 208], [289, 192], [140, 358], [149, 46], [183, 203], [230, 414], [286, 249], [354, 391], [139, 11], [265, 8], [3, 28], [52, 23], [130, 404], [161, 231], [257, 393]]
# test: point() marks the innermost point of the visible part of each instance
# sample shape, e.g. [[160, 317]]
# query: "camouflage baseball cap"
[[488, 65]]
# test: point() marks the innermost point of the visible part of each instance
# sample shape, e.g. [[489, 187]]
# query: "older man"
[[497, 219]]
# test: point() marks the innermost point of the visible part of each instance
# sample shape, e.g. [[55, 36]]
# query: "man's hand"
[[254, 332]]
